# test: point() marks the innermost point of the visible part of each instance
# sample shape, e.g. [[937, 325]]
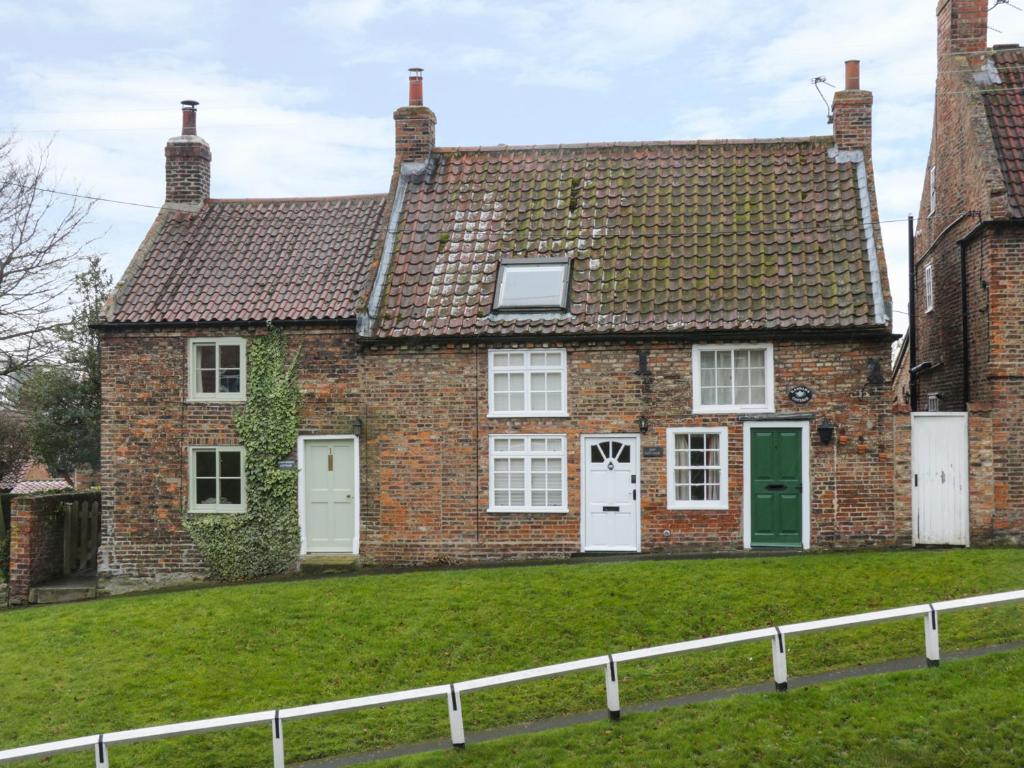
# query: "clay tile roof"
[[39, 486], [662, 237], [1004, 103], [253, 260]]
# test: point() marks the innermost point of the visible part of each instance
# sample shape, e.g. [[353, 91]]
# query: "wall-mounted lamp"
[[357, 426], [826, 431], [641, 421]]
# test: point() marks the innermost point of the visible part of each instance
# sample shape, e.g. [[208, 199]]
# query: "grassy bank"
[[966, 713], [127, 662]]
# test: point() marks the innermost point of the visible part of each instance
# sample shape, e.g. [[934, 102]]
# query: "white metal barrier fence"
[[452, 692]]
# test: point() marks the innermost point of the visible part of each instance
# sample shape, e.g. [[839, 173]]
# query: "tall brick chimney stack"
[[187, 164], [414, 124], [851, 112], [963, 29]]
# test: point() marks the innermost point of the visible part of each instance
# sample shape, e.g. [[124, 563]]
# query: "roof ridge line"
[[302, 199], [657, 143]]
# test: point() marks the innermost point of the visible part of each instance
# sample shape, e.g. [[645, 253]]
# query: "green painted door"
[[776, 487]]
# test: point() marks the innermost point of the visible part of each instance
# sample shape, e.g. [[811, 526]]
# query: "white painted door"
[[939, 481], [611, 505], [329, 495]]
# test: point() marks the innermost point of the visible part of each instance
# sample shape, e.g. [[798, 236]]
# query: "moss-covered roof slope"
[[661, 237]]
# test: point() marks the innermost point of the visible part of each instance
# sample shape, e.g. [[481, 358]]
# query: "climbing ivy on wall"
[[265, 538]]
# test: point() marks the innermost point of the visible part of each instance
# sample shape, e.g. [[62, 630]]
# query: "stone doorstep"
[[69, 589], [50, 595], [317, 564]]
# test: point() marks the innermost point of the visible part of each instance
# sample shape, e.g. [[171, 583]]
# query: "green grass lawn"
[[127, 662], [966, 713]]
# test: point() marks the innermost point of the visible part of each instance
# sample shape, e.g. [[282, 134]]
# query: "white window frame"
[[723, 451], [223, 509], [194, 395], [527, 455], [769, 379], [932, 196], [526, 370], [929, 287]]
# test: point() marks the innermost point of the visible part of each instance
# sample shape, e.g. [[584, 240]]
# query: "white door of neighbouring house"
[[610, 466], [330, 495], [938, 444]]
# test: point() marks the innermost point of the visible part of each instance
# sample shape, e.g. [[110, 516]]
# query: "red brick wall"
[[148, 426], [427, 444], [424, 452]]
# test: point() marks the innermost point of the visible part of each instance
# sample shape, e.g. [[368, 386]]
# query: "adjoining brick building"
[[520, 352], [967, 344]]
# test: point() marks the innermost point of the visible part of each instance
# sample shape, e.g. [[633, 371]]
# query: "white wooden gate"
[[940, 491]]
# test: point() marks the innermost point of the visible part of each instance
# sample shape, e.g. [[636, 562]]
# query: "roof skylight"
[[532, 284]]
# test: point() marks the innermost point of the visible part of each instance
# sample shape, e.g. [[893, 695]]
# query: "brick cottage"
[[519, 352]]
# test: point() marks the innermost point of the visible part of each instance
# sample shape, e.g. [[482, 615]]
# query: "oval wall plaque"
[[800, 394]]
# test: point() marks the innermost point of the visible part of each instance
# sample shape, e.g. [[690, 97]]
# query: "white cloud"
[[268, 138]]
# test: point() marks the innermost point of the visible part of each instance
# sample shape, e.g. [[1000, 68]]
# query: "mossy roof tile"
[[661, 236]]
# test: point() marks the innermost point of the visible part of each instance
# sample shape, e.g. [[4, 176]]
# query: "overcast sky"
[[296, 97]]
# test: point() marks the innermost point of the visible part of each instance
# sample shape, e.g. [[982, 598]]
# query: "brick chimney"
[[187, 164], [414, 124], [963, 28], [851, 112]]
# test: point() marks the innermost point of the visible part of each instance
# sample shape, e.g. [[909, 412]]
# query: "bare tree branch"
[[41, 249]]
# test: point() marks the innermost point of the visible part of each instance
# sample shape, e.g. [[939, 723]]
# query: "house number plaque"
[[653, 451], [800, 394]]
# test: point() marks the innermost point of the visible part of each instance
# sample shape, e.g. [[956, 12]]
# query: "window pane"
[[206, 491], [206, 463], [206, 355], [714, 481], [517, 401], [230, 491], [230, 381], [757, 395], [230, 357], [230, 464], [529, 286], [207, 381]]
